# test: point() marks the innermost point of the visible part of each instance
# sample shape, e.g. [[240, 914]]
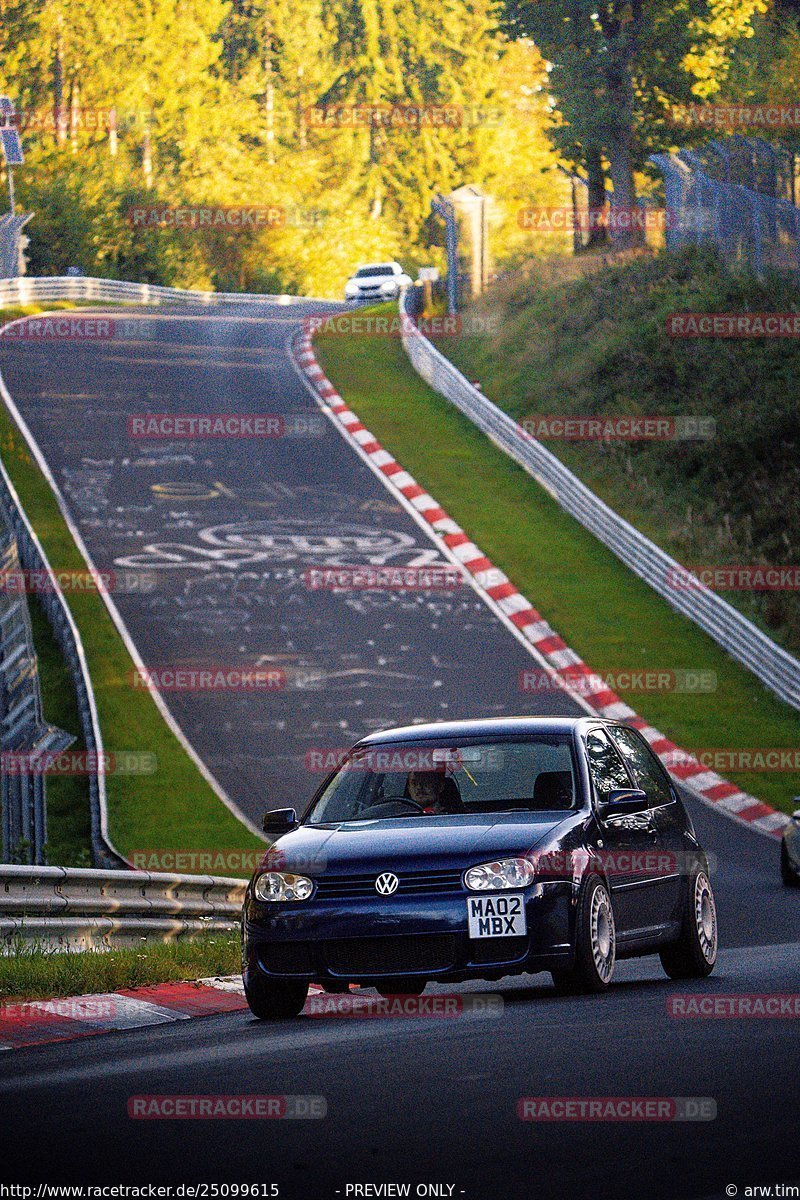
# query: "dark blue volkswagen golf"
[[474, 850]]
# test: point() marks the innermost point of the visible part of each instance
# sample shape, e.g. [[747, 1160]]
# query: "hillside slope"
[[598, 345]]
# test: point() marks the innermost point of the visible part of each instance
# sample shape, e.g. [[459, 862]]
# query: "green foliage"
[[706, 503], [621, 66], [219, 103], [31, 970]]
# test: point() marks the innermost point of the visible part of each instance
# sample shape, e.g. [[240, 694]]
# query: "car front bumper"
[[365, 939]]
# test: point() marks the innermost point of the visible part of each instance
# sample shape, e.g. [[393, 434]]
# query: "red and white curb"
[[502, 595], [64, 1018]]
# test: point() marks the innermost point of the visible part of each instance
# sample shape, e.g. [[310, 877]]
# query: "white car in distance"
[[377, 281]]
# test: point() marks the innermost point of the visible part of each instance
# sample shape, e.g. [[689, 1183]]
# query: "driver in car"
[[434, 792]]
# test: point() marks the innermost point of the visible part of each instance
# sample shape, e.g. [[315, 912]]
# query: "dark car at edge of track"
[[477, 850], [790, 851]]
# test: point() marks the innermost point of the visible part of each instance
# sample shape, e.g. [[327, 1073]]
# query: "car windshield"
[[412, 779], [370, 272]]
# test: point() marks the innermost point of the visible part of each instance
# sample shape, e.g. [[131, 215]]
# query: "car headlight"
[[351, 289], [278, 885], [389, 287], [500, 876]]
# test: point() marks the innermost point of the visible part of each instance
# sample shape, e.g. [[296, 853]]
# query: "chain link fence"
[[12, 242], [26, 738], [738, 194]]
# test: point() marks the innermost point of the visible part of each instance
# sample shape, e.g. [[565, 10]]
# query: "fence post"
[[445, 209]]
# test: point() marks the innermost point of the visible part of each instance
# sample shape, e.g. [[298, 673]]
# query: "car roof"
[[482, 727], [387, 266]]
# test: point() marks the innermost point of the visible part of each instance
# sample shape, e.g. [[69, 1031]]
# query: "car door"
[[627, 841], [665, 811]]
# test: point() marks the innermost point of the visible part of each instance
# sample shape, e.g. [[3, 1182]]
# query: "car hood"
[[411, 843]]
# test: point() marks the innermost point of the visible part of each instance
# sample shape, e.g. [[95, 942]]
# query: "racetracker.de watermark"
[[24, 582], [733, 325], [209, 678], [78, 762], [61, 327], [390, 579], [227, 1108], [772, 114], [537, 680], [202, 861], [398, 117], [722, 760], [65, 120], [618, 429], [440, 1005], [734, 579], [180, 426], [741, 1006], [565, 219], [391, 759], [237, 218], [617, 1108], [71, 1008], [398, 325]]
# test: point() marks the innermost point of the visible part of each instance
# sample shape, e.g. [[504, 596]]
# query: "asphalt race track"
[[409, 1100], [209, 542]]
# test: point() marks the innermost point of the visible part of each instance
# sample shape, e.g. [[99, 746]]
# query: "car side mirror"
[[279, 821], [623, 800]]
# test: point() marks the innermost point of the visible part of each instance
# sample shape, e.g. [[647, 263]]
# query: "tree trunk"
[[58, 93], [621, 25], [301, 120], [625, 231], [74, 114], [112, 132], [147, 157], [597, 198], [269, 113]]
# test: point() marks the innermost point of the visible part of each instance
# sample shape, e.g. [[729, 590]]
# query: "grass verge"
[[611, 618], [598, 346], [174, 808], [29, 971]]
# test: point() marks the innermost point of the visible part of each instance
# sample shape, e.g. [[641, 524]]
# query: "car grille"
[[342, 887], [390, 955]]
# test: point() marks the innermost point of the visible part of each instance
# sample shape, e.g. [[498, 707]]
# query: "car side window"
[[645, 767], [606, 767]]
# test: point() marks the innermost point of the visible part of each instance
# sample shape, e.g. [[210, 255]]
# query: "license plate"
[[496, 916]]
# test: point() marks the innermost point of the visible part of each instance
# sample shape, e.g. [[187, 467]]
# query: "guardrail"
[[70, 906], [33, 558], [24, 290], [29, 290], [774, 666]]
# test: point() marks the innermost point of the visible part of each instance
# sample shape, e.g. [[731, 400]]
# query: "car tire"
[[595, 944], [275, 999], [788, 873], [694, 954]]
